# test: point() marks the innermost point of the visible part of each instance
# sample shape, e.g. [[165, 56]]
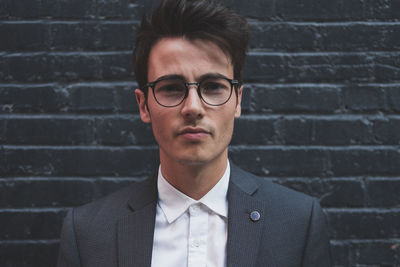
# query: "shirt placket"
[[198, 236]]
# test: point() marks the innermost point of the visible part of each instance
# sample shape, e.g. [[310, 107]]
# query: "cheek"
[[158, 127], [226, 127], [162, 125]]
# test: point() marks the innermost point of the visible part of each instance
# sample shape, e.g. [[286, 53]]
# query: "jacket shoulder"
[[273, 194], [111, 206]]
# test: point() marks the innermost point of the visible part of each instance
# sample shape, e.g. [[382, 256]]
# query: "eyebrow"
[[169, 76], [210, 75]]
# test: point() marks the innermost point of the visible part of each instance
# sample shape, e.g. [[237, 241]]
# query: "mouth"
[[194, 133]]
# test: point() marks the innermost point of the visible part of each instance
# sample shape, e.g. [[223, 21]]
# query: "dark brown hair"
[[192, 19]]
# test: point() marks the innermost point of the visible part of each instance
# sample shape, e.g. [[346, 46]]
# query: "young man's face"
[[193, 132]]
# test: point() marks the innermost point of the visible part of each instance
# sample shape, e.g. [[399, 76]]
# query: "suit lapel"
[[244, 234], [136, 230]]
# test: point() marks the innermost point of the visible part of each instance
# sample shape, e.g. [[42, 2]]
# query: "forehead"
[[189, 58]]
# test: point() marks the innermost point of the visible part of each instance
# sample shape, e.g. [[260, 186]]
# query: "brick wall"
[[321, 115]]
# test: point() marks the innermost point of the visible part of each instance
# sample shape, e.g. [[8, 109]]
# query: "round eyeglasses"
[[171, 91]]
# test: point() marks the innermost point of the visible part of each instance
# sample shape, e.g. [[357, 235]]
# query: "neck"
[[194, 180]]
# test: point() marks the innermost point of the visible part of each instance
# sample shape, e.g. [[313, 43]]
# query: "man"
[[198, 209]]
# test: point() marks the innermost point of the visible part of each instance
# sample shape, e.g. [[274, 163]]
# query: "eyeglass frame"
[[234, 84]]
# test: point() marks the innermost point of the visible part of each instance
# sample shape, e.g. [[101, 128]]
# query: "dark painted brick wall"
[[321, 115]]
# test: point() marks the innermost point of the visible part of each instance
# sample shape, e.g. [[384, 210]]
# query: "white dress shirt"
[[189, 232]]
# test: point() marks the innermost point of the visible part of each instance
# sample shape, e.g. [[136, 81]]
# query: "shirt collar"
[[174, 203]]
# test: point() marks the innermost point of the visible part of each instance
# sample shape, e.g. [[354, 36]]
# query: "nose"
[[193, 107]]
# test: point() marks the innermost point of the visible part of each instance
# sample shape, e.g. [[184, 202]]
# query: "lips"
[[193, 133], [192, 130]]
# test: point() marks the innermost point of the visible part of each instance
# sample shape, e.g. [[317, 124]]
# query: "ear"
[[144, 111], [238, 110]]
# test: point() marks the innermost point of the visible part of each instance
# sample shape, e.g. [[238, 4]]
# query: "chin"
[[197, 159], [192, 161]]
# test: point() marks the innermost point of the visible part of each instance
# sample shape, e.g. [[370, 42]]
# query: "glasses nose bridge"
[[197, 86], [187, 84]]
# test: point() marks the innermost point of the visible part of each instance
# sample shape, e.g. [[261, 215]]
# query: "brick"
[[342, 193], [73, 35], [32, 254], [24, 193], [40, 67], [284, 36], [49, 131], [296, 98], [261, 67], [364, 224], [383, 10], [257, 9], [376, 253], [387, 130], [334, 193], [254, 130], [363, 99], [21, 225], [393, 96], [75, 67], [28, 69], [89, 98], [387, 67], [3, 167], [342, 130], [31, 98], [383, 192], [123, 131], [313, 67], [365, 161], [340, 253], [294, 131], [117, 67], [79, 161], [3, 130], [281, 161], [3, 9], [124, 9], [117, 35], [110, 98], [23, 36]]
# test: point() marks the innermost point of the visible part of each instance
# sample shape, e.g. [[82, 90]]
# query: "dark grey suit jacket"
[[118, 230]]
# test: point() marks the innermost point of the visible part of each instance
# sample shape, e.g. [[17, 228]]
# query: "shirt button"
[[194, 209], [196, 243]]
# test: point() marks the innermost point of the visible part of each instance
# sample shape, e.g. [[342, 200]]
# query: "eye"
[[215, 86], [170, 87]]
